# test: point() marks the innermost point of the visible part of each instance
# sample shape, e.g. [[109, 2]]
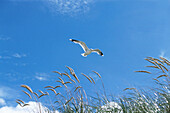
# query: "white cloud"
[[41, 76], [162, 54], [6, 92], [110, 106], [33, 107], [69, 6], [17, 55], [2, 102]]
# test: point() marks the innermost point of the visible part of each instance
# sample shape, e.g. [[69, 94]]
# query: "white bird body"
[[86, 49], [86, 53]]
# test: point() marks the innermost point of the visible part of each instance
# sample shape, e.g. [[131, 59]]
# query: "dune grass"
[[72, 97]]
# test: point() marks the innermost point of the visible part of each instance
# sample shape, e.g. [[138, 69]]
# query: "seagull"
[[86, 49]]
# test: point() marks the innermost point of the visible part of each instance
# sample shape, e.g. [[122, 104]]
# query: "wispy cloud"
[[13, 76], [41, 76], [8, 93], [163, 54], [3, 38], [33, 107], [70, 7], [7, 96], [15, 55], [24, 0], [20, 64], [5, 57], [18, 55], [6, 54], [2, 102]]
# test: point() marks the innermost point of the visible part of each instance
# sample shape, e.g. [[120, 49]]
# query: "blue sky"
[[34, 41]]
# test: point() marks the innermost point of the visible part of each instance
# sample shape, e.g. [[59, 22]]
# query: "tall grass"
[[69, 96]]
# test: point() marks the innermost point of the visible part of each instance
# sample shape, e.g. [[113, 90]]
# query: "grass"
[[72, 97]]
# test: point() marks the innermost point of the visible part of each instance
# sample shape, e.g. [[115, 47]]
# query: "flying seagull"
[[86, 49]]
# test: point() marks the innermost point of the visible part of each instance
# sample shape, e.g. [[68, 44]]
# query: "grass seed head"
[[97, 74], [27, 94], [77, 88], [162, 76], [144, 72], [129, 89], [27, 87], [86, 77]]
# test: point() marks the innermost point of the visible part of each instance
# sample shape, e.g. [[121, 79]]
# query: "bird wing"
[[82, 44], [98, 51]]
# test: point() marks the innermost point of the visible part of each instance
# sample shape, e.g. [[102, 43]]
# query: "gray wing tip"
[[101, 54]]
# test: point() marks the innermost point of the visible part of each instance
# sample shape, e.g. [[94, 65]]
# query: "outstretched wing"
[[98, 51], [82, 44]]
